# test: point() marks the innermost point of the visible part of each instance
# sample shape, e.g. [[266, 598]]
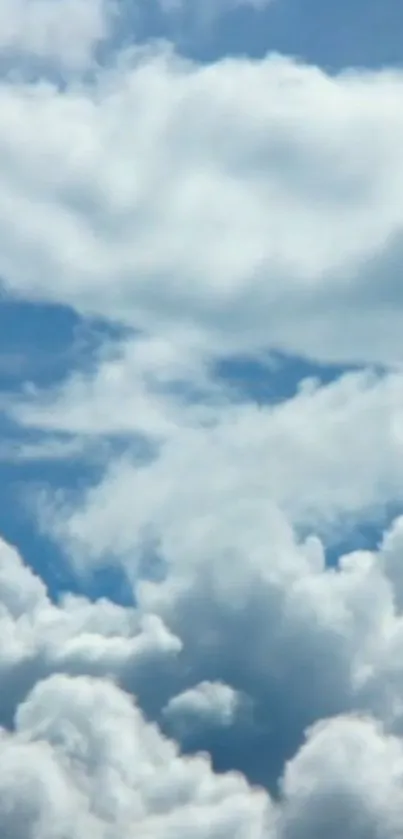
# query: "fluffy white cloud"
[[328, 457], [38, 637], [208, 703], [82, 759], [59, 33], [204, 640], [346, 781], [258, 203], [302, 641], [299, 642]]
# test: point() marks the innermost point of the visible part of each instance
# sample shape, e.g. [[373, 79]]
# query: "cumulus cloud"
[[304, 643], [300, 642], [209, 703], [38, 637], [255, 202], [253, 639], [329, 457], [337, 786], [83, 759]]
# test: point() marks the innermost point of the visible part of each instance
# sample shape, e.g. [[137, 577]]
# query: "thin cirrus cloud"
[[204, 212]]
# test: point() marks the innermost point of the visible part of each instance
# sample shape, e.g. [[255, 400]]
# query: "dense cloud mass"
[[242, 664], [245, 206], [233, 213]]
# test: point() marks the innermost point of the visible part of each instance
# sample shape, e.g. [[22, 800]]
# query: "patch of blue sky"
[[351, 33], [274, 378], [35, 342], [21, 481], [18, 525], [364, 536], [40, 342]]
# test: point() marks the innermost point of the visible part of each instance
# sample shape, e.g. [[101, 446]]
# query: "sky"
[[201, 419]]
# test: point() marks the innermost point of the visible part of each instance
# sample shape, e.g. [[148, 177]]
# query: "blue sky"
[[39, 344], [201, 414], [332, 35]]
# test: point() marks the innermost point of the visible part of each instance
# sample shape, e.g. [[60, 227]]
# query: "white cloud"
[[259, 652], [209, 703], [149, 377], [301, 643], [38, 637], [83, 760], [346, 781], [59, 33], [327, 457], [258, 203], [81, 756]]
